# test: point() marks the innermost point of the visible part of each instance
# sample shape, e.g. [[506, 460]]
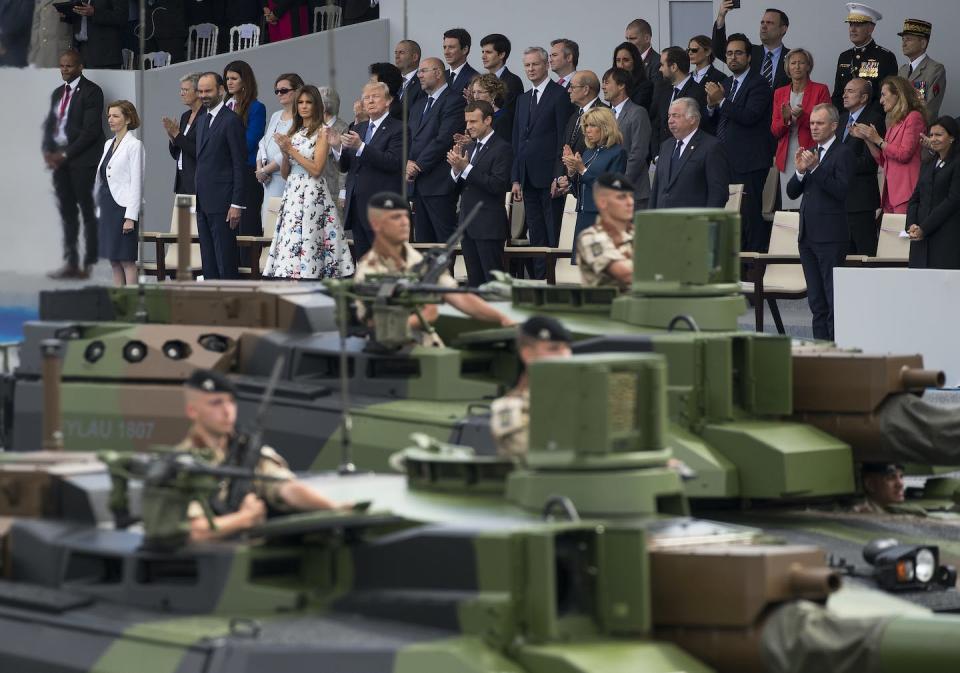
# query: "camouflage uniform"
[[373, 264], [510, 423], [271, 464], [596, 251]]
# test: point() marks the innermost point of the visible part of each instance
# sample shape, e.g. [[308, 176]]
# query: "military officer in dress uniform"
[[605, 250], [867, 59], [211, 405], [928, 77], [538, 338]]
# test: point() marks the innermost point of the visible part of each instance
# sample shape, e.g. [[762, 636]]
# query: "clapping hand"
[[866, 132], [461, 139], [359, 115], [787, 114], [573, 162], [805, 160], [457, 159], [172, 127], [351, 139], [283, 142], [715, 93]]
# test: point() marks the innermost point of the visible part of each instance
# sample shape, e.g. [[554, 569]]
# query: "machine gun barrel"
[[913, 379]]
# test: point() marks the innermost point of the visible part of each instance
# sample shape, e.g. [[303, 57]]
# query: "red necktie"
[[65, 101]]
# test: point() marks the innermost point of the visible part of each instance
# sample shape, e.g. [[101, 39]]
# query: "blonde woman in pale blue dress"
[[308, 242]]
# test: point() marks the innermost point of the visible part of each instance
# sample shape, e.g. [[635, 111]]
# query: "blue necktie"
[[722, 124], [675, 159], [369, 134], [767, 70]]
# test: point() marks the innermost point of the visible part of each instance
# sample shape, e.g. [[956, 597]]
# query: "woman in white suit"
[[118, 192]]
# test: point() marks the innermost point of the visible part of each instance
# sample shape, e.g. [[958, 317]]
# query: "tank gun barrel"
[[913, 379], [820, 581]]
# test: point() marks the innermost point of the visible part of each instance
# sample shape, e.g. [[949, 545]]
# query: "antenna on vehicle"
[[140, 315]]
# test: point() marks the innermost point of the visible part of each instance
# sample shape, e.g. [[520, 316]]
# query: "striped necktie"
[[722, 124], [767, 70]]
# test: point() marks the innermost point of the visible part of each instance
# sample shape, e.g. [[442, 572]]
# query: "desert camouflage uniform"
[[510, 423], [596, 251]]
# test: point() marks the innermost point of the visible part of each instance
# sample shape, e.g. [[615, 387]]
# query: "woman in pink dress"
[[286, 19], [899, 151]]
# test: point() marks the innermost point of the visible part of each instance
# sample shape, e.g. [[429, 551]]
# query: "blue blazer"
[[700, 180], [748, 142], [537, 141], [599, 160], [221, 157], [823, 210], [431, 137], [256, 126], [378, 169]]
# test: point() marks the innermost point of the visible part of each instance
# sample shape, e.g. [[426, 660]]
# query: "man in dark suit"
[[221, 164], [72, 142], [370, 154], [634, 123], [482, 171], [433, 122], [542, 113], [863, 197], [406, 56], [98, 30], [456, 48], [494, 52], [640, 33], [564, 57], [584, 95], [692, 171], [766, 58], [740, 111], [823, 175], [676, 83]]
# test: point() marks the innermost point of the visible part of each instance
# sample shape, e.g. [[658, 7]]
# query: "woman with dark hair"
[[898, 152], [308, 241], [390, 75], [118, 192], [285, 88], [702, 69], [933, 214], [640, 91], [241, 85]]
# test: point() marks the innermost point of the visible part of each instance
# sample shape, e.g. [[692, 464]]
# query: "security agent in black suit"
[[72, 142], [97, 27], [221, 162], [692, 171], [482, 171], [675, 83], [370, 154], [863, 197], [542, 114], [640, 33], [766, 58], [494, 52], [824, 173], [433, 122], [740, 112], [183, 138], [406, 56], [456, 48]]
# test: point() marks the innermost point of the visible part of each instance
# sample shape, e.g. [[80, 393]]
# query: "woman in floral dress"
[[308, 241]]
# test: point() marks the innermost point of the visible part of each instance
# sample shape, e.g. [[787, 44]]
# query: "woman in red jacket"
[[792, 105], [899, 151]]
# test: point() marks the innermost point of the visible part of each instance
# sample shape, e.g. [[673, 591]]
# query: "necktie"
[[232, 103], [371, 127], [767, 70], [534, 103], [676, 94], [430, 102], [819, 153], [722, 124], [64, 101], [449, 76], [562, 81], [476, 153], [850, 122], [910, 72], [734, 87], [675, 159], [575, 133]]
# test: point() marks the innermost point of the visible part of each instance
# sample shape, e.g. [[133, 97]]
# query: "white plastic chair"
[[780, 281], [128, 58], [890, 244], [202, 40], [327, 17], [155, 59], [244, 36], [567, 273], [734, 199]]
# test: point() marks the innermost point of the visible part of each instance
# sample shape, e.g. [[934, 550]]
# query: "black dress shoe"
[[66, 272]]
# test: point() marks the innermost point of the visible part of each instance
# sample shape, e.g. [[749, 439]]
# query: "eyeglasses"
[[282, 92], [693, 50]]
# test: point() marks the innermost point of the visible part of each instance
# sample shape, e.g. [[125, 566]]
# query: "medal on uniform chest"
[[921, 87], [870, 69]]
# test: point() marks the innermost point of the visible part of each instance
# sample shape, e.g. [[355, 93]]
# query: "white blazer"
[[125, 174]]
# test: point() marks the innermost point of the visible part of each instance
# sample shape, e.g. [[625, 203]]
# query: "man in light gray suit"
[[634, 123], [332, 176], [928, 77]]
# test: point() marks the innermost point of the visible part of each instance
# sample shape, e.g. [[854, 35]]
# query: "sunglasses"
[[282, 92], [693, 50]]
